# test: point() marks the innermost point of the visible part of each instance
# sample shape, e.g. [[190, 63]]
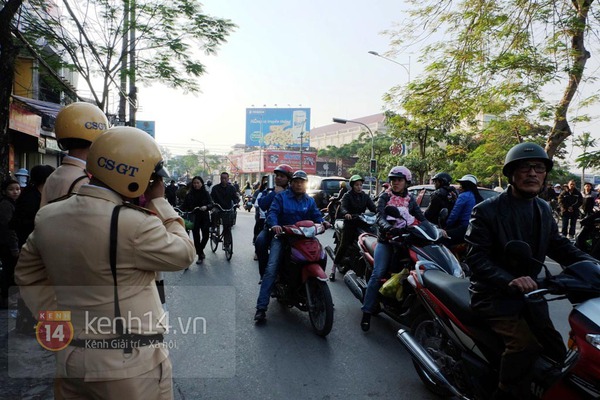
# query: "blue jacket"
[[287, 209], [266, 199], [461, 212]]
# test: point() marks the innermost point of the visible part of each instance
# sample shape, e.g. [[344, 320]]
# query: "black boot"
[[260, 316], [365, 323]]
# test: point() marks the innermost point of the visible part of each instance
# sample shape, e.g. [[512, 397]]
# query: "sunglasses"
[[537, 167]]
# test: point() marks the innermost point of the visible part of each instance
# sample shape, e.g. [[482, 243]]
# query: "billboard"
[[146, 126], [275, 157], [277, 128]]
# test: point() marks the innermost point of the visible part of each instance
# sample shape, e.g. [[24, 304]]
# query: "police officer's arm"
[[32, 278], [160, 241]]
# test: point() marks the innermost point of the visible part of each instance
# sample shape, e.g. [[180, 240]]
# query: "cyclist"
[[353, 202], [225, 195], [288, 207]]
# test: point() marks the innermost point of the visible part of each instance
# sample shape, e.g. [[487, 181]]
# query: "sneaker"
[[260, 316]]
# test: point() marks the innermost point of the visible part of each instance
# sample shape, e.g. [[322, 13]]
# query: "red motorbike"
[[301, 281], [418, 246], [456, 355]]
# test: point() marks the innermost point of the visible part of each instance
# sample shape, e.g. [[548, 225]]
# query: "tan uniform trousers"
[[156, 384]]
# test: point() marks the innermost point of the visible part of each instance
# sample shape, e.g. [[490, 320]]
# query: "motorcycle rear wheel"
[[425, 331], [320, 310]]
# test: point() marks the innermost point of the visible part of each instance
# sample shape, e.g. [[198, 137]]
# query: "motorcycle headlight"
[[593, 339]]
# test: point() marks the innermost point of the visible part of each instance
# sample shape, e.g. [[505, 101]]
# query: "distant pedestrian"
[[9, 243], [589, 196], [171, 193], [570, 200]]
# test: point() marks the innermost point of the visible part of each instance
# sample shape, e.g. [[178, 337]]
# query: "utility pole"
[[123, 73], [132, 67]]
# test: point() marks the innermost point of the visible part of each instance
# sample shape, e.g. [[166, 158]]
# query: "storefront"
[[31, 137]]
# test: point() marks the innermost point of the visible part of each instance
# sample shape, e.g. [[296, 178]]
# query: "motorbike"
[[301, 281], [365, 223], [588, 239], [248, 203], [419, 245], [455, 354]]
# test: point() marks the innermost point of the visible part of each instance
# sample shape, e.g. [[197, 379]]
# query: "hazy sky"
[[311, 53]]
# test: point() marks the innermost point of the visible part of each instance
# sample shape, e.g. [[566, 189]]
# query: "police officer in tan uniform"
[[77, 126], [66, 265]]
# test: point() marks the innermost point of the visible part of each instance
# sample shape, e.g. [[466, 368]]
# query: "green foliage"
[[168, 37]]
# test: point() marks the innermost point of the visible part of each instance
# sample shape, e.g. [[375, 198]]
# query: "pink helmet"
[[400, 172]]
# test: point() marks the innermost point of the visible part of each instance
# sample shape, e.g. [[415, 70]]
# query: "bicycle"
[[188, 218], [222, 217]]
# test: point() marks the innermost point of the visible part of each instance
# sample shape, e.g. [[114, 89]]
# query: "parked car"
[[423, 193], [321, 188]]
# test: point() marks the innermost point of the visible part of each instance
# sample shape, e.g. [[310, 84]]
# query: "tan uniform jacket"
[[64, 266], [58, 183]]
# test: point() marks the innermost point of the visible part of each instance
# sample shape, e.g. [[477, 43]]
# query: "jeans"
[[270, 275], [261, 248], [200, 225], [383, 254]]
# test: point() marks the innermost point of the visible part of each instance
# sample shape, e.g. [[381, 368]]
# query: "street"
[[219, 353]]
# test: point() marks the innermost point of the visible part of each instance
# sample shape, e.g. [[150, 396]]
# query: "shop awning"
[[42, 107]]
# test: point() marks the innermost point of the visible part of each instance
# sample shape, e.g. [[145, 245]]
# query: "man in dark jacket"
[[444, 196], [498, 282], [354, 203], [569, 201]]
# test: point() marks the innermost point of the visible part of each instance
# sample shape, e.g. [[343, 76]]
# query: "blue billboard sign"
[[146, 126], [277, 128]]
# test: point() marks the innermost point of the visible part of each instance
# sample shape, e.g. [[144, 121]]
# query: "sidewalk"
[[26, 369]]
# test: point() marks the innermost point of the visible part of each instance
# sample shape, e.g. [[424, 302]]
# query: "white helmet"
[[468, 178]]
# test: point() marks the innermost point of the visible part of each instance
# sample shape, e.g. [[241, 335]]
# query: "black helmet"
[[300, 175], [443, 177], [525, 151]]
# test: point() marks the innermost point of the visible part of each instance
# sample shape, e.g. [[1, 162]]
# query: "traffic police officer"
[[103, 241], [77, 126]]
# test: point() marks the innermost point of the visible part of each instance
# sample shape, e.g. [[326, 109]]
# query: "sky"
[[312, 53]]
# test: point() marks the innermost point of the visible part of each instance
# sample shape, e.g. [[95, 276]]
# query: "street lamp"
[[203, 154], [405, 66], [344, 121]]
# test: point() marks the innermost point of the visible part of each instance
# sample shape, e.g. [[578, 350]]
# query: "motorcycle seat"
[[453, 292], [369, 242]]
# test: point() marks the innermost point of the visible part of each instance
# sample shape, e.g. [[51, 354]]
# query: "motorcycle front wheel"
[[320, 310], [426, 332]]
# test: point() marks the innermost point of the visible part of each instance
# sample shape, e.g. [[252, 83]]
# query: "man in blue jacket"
[[287, 208]]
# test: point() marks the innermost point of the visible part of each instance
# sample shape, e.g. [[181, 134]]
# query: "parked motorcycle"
[[588, 239], [454, 354], [301, 281], [419, 245], [365, 223]]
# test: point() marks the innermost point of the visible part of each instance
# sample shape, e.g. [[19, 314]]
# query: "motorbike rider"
[[287, 208], [72, 269], [458, 221], [497, 284], [225, 195], [77, 126], [444, 196], [397, 196], [283, 175], [353, 202]]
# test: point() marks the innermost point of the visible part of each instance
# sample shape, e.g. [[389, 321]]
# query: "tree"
[[497, 56], [584, 142], [90, 35], [8, 54]]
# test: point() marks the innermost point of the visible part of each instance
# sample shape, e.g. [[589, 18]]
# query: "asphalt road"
[[219, 353]]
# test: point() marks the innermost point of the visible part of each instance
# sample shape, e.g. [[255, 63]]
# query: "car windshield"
[[314, 183], [331, 185]]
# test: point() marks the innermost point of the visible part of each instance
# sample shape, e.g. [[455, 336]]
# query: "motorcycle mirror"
[[520, 252]]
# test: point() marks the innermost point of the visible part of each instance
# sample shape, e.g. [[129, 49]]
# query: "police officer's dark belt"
[[123, 342]]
